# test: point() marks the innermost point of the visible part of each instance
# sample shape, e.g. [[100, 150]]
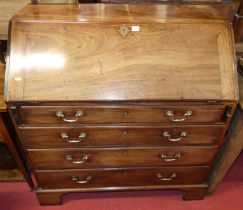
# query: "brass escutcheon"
[[124, 30]]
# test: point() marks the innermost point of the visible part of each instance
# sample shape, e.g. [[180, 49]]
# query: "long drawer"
[[120, 114], [114, 158], [122, 177], [109, 136]]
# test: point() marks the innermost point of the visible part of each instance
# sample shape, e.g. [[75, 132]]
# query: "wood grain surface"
[[114, 136], [79, 61], [115, 114], [122, 177], [120, 157]]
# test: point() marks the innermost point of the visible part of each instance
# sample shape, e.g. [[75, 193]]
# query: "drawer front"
[[119, 136], [122, 178], [113, 158], [118, 114]]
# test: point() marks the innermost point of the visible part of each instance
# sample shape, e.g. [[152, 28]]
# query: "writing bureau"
[[121, 97]]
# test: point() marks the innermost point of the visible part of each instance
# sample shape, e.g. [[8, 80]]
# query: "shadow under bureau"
[[121, 97]]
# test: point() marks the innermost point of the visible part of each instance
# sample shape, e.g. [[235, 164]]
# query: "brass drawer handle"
[[164, 178], [81, 137], [171, 115], [170, 159], [82, 160], [79, 181], [78, 114], [167, 135]]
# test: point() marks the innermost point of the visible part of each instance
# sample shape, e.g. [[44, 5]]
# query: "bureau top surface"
[[120, 52]]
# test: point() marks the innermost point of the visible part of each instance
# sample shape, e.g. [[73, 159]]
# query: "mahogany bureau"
[[111, 97]]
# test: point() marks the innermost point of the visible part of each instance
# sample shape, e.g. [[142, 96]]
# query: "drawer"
[[113, 158], [120, 114], [105, 136], [122, 177]]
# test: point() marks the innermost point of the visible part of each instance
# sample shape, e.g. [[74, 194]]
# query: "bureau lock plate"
[[124, 31]]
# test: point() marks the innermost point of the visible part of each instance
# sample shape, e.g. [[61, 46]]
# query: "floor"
[[229, 196]]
